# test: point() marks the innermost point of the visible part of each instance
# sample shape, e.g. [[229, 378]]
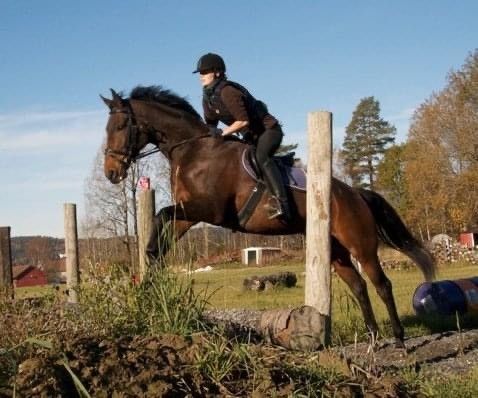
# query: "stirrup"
[[274, 209]]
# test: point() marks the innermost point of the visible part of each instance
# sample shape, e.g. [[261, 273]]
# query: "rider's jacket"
[[228, 102]]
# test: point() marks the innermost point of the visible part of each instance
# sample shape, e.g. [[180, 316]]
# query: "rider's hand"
[[215, 132]]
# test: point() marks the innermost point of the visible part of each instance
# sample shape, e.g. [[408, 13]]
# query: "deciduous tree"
[[111, 209], [442, 155]]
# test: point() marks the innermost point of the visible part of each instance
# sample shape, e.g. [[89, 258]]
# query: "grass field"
[[226, 282]]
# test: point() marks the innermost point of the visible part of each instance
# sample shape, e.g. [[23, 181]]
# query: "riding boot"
[[280, 204]]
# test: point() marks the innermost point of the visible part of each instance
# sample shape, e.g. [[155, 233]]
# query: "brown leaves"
[[441, 158]]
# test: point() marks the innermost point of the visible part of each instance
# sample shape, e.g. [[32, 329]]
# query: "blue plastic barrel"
[[470, 290], [442, 297], [474, 279]]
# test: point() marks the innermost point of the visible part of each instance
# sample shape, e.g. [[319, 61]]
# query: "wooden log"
[[293, 328], [71, 252], [146, 211], [318, 247], [6, 273], [296, 328]]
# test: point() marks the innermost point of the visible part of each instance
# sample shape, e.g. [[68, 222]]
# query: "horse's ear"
[[108, 102], [116, 97]]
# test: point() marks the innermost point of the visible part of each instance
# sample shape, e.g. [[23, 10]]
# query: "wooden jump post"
[[71, 252], [146, 212], [6, 275], [318, 247]]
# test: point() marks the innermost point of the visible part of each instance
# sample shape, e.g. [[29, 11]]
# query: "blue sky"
[[297, 56]]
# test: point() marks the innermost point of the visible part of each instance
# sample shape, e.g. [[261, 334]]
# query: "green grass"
[[457, 386], [36, 291], [227, 283], [346, 316]]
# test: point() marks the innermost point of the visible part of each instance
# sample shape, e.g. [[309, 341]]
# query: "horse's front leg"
[[169, 226]]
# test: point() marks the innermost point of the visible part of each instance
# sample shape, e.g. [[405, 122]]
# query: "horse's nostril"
[[111, 175]]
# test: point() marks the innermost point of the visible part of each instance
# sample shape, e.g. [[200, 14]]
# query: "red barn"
[[27, 275]]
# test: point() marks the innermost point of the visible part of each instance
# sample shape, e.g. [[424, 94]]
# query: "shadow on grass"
[[437, 323]]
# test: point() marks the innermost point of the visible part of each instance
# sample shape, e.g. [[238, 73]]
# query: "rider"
[[233, 105]]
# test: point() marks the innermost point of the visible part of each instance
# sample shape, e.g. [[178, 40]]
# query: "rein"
[[170, 149], [145, 153]]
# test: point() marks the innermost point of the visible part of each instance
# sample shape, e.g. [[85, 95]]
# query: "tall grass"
[[110, 305], [113, 305], [224, 360]]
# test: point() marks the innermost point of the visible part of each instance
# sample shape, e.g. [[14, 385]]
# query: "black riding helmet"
[[210, 62]]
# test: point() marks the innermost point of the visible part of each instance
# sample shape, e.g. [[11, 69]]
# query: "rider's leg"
[[267, 144]]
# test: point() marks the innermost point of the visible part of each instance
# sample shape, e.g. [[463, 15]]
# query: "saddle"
[[292, 177]]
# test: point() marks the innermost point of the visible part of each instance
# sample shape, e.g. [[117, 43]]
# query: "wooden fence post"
[[146, 212], [6, 274], [319, 175], [71, 252]]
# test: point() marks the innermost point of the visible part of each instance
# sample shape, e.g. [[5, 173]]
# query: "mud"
[[166, 366]]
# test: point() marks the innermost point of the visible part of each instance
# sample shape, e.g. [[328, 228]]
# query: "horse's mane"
[[163, 96]]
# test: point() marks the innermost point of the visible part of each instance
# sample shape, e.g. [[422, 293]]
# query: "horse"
[[209, 185]]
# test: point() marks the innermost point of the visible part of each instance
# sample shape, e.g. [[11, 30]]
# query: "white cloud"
[[50, 131], [401, 121], [47, 140], [53, 179], [403, 115], [28, 117]]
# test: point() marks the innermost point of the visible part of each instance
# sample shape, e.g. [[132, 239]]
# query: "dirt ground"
[[446, 354], [168, 366]]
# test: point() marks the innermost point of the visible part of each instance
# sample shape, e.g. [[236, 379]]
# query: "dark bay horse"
[[210, 185]]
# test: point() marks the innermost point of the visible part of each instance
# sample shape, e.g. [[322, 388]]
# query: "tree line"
[[432, 177]]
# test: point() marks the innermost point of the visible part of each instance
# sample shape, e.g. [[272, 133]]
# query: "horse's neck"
[[171, 125], [204, 150]]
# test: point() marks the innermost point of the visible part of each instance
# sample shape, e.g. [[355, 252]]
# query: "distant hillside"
[[32, 250]]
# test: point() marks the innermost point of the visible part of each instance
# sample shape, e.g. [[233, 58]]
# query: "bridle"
[[131, 153]]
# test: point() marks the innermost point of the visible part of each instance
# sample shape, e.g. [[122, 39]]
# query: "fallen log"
[[293, 328]]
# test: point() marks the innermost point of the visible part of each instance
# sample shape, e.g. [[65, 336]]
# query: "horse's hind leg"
[[371, 266], [346, 270]]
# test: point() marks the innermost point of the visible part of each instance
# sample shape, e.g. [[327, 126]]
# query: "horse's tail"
[[394, 233]]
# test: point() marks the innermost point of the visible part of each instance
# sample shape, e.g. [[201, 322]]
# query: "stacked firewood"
[[397, 264], [452, 252]]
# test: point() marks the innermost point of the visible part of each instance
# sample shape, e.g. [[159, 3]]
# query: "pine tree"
[[366, 139]]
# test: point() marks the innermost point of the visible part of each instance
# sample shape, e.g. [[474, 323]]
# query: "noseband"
[[126, 156]]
